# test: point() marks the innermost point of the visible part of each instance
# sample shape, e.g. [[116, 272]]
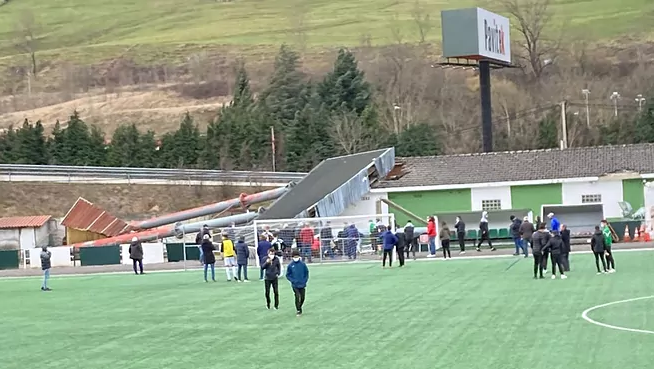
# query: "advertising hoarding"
[[476, 33]]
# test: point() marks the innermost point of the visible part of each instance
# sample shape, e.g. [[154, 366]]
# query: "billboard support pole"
[[486, 111]]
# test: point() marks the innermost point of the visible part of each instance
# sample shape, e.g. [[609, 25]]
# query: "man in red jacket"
[[431, 234], [305, 241]]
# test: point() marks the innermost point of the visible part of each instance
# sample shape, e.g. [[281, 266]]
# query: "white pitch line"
[[584, 315]]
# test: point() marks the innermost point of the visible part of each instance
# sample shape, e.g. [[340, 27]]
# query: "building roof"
[[37, 221], [528, 165], [86, 216]]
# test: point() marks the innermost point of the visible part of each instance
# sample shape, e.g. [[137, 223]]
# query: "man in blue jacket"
[[298, 274], [389, 240], [262, 252]]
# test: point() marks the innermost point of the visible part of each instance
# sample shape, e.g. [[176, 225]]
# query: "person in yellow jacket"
[[229, 255]]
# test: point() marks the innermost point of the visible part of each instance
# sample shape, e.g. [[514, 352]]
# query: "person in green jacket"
[[608, 242]]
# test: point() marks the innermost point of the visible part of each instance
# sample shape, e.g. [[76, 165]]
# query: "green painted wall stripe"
[[533, 197], [425, 203], [633, 193]]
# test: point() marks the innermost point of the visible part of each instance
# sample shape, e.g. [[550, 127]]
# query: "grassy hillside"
[[95, 29]]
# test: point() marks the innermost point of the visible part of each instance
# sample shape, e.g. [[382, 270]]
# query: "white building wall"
[[611, 192], [490, 193], [27, 238], [9, 239], [367, 205], [43, 235]]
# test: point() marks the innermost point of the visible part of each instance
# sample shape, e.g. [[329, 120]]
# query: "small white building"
[[26, 232]]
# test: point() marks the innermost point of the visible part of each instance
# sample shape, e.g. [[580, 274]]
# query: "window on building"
[[589, 199], [491, 205]]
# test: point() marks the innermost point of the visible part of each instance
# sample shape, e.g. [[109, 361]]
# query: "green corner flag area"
[[456, 314]]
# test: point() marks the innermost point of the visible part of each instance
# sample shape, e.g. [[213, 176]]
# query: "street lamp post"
[[615, 96], [640, 100], [586, 92]]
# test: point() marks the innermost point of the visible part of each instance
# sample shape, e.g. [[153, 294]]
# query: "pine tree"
[[7, 144], [644, 125], [242, 92], [148, 153], [182, 148], [547, 137], [418, 140], [345, 87], [30, 144], [283, 96], [309, 140], [125, 147], [56, 144]]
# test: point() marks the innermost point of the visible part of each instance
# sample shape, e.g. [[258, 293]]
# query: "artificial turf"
[[459, 314]]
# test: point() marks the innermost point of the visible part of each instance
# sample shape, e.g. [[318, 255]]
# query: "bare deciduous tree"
[[532, 17], [422, 20], [348, 132], [26, 38]]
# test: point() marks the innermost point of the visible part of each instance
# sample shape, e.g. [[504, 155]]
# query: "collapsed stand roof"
[[326, 178], [529, 165]]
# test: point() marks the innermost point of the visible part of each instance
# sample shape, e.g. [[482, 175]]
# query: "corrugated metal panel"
[[24, 222], [85, 216], [356, 187]]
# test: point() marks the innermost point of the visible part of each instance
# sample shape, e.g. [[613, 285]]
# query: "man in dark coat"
[[411, 239], [352, 241], [526, 230], [400, 245], [597, 246], [461, 234], [326, 237], [515, 233], [199, 237], [136, 254], [538, 241], [273, 269], [45, 266], [209, 258], [555, 246], [565, 252], [242, 255], [263, 248]]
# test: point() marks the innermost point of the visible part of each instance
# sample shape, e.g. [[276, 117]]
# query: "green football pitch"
[[459, 314]]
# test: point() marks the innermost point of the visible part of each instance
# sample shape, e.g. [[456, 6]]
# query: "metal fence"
[[71, 174]]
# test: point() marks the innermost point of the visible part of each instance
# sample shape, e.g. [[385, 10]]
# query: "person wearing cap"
[[554, 223], [136, 254], [209, 258], [242, 255], [527, 229], [199, 238], [297, 273]]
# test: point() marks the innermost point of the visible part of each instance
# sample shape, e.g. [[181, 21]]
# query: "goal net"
[[192, 252], [344, 238]]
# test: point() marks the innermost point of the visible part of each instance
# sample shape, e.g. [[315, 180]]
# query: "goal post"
[[326, 239]]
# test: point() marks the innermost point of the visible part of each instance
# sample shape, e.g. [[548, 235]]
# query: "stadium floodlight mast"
[[586, 93], [640, 100], [615, 96]]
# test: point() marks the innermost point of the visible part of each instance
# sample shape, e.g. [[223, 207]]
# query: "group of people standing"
[[270, 258]]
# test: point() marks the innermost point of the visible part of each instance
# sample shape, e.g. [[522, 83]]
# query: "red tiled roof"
[[24, 222], [86, 216]]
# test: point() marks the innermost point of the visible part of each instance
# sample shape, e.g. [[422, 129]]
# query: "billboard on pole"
[[476, 33]]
